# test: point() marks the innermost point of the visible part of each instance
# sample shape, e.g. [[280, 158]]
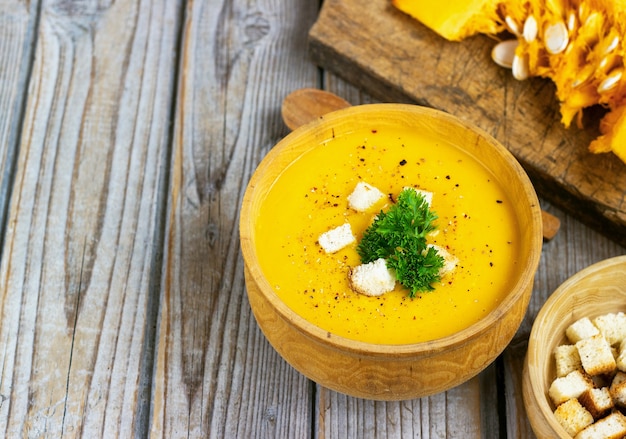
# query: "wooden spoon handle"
[[307, 104]]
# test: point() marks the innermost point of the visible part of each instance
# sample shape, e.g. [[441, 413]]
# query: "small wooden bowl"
[[381, 371], [598, 289]]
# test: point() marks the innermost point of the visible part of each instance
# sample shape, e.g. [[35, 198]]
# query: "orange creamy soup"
[[475, 223]]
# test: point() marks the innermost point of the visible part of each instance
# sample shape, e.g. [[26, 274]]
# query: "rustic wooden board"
[[77, 277], [393, 57]]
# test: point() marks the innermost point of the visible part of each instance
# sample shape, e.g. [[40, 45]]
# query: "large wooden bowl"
[[379, 371], [598, 289]]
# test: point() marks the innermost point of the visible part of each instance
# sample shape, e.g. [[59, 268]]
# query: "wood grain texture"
[[395, 58], [455, 413], [76, 271], [216, 376], [17, 39]]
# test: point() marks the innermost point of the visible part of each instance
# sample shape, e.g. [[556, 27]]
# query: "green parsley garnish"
[[399, 236]]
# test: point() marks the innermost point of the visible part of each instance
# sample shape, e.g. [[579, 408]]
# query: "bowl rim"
[[431, 347], [539, 394]]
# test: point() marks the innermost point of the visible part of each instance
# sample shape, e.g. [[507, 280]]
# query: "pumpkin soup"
[[476, 224]]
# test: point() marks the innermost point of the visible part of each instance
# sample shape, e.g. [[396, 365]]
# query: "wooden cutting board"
[[396, 59]]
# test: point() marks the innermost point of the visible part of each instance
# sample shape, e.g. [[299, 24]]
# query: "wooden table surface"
[[129, 130]]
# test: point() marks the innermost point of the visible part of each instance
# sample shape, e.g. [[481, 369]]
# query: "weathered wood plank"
[[77, 269], [216, 375], [453, 414], [17, 38]]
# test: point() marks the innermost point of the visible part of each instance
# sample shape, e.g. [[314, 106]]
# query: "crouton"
[[598, 402], [335, 239], [372, 279], [620, 361], [567, 359], [364, 196], [573, 416], [449, 260], [612, 426], [580, 329], [619, 378], [595, 355], [612, 326], [570, 386], [618, 389]]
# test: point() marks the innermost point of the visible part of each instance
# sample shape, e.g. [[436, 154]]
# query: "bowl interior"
[[437, 125], [598, 289]]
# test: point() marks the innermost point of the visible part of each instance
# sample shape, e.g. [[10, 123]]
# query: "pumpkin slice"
[[456, 19]]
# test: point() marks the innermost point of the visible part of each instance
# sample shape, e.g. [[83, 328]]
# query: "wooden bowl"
[[386, 371], [598, 289]]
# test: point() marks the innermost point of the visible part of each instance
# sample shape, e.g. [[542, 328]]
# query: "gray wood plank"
[[452, 414], [77, 268], [216, 375], [18, 21]]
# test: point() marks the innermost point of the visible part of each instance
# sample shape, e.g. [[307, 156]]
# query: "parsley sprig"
[[399, 236]]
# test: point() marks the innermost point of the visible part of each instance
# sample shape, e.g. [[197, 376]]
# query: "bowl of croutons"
[[574, 380], [389, 250]]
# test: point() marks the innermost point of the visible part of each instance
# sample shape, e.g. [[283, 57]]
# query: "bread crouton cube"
[[598, 401], [364, 196], [595, 355], [612, 426], [620, 360], [567, 359], [619, 378], [449, 260], [335, 239], [373, 278], [612, 326], [618, 389], [573, 416], [570, 386], [580, 329]]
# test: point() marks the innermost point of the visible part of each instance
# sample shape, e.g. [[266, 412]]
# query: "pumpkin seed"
[[583, 75], [572, 22], [503, 53], [512, 25], [520, 67], [583, 12], [530, 29], [611, 80], [612, 45], [556, 38], [609, 61]]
